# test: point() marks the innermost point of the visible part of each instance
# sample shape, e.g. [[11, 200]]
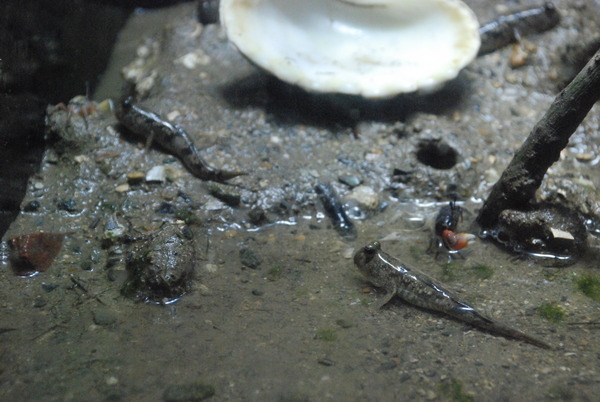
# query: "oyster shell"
[[373, 48]]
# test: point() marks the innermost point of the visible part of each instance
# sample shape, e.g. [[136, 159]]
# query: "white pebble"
[[156, 174], [365, 196]]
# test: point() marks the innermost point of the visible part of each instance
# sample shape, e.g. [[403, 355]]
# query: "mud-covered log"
[[523, 176]]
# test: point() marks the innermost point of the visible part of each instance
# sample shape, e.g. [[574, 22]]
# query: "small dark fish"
[[171, 137], [334, 209], [509, 28], [418, 289], [33, 253]]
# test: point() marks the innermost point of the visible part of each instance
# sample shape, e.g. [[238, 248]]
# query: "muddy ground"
[[276, 310]]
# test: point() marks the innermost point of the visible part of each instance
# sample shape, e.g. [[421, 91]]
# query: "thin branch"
[[523, 176]]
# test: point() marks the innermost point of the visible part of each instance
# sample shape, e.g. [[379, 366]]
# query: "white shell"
[[373, 48]]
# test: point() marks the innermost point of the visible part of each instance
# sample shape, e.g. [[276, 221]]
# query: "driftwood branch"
[[523, 176]]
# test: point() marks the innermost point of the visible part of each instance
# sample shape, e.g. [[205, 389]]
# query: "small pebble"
[[104, 317], [491, 175], [49, 287], [230, 234], [193, 59], [250, 258], [135, 176], [81, 158], [212, 268], [172, 115], [299, 237], [68, 205], [165, 208], [348, 253], [344, 323], [584, 157], [156, 174], [365, 196], [350, 180], [257, 292], [113, 228], [325, 362], [122, 188], [257, 216], [31, 206], [112, 380], [518, 56]]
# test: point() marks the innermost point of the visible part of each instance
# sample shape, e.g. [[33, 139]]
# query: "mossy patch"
[[416, 253], [302, 292], [589, 285], [482, 271], [275, 273], [325, 334], [560, 393], [453, 390], [551, 274], [552, 312], [450, 272]]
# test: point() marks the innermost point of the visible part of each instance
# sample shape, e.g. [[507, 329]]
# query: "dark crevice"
[[50, 51], [437, 153]]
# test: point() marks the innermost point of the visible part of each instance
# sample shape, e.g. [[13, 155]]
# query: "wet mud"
[[270, 305]]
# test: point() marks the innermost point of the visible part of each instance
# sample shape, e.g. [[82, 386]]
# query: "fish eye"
[[372, 248]]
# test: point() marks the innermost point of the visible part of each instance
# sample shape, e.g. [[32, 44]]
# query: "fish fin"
[[387, 298]]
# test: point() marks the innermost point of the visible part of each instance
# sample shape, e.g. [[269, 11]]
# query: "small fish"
[[509, 28], [335, 211], [171, 137], [418, 289]]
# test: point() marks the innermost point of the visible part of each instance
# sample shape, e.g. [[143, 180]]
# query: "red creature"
[[445, 229]]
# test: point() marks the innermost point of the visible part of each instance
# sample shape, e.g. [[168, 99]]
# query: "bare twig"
[[523, 176]]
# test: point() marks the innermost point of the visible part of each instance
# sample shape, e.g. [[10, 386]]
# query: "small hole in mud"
[[437, 154]]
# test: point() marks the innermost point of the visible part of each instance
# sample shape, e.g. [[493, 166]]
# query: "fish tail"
[[224, 175], [478, 320]]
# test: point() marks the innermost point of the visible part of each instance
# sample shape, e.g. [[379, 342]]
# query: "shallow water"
[[302, 324]]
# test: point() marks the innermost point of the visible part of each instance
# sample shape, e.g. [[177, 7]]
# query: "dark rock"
[[249, 258], [31, 206], [49, 288], [257, 216], [161, 269], [437, 153], [166, 208], [68, 205]]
